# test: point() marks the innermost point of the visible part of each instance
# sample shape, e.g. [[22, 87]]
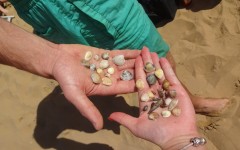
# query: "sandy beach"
[[205, 43]]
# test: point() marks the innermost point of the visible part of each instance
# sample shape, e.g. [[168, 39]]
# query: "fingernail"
[[110, 119]]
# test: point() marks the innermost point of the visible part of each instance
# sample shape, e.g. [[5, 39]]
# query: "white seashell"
[[150, 94], [159, 73], [167, 101], [145, 97], [103, 64], [140, 84], [153, 116], [119, 60], [173, 104], [105, 56], [88, 55], [176, 111], [166, 113], [99, 71], [110, 70], [96, 57], [106, 81], [96, 78]]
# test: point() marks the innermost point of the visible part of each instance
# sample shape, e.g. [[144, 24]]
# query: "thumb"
[[124, 119], [85, 106]]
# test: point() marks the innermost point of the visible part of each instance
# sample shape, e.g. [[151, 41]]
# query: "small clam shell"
[[106, 81], [99, 71], [119, 60], [159, 73], [110, 70], [167, 101], [140, 84], [92, 67], [104, 64], [153, 116], [176, 112], [145, 108], [105, 56], [150, 94], [166, 85], [96, 78], [145, 97], [88, 55], [173, 104], [151, 79], [172, 93], [96, 57], [166, 113], [149, 67], [126, 75]]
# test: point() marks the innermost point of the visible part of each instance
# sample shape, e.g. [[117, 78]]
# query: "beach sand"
[[205, 43]]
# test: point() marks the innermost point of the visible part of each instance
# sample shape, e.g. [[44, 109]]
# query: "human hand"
[[76, 83], [173, 132], [3, 10]]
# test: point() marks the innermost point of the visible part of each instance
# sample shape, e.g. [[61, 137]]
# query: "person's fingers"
[[129, 64], [124, 119], [128, 54], [84, 105], [168, 71]]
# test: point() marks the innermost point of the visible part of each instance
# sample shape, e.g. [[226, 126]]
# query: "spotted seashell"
[[149, 67], [119, 60], [106, 81], [166, 113], [153, 116], [92, 67], [99, 71], [110, 70], [105, 56], [151, 79], [96, 78], [88, 55], [96, 57], [172, 93], [167, 101], [145, 97], [176, 112], [159, 73], [140, 84], [145, 108], [104, 64], [126, 75], [165, 85], [173, 104]]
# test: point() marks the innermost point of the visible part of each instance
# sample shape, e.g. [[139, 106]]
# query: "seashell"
[[156, 105], [153, 116], [150, 94], [159, 73], [85, 63], [166, 85], [96, 78], [119, 60], [106, 81], [107, 75], [99, 71], [105, 56], [126, 75], [110, 70], [140, 84], [166, 113], [96, 57], [151, 79], [92, 67], [172, 93], [145, 108], [167, 101], [88, 55], [161, 93], [173, 104], [104, 64], [145, 97], [149, 67], [176, 112]]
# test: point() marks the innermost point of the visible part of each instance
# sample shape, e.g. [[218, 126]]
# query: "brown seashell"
[[165, 85], [149, 67], [140, 84], [145, 108], [153, 116], [88, 55], [172, 93], [96, 78], [176, 112], [166, 113], [161, 93], [106, 81], [173, 104]]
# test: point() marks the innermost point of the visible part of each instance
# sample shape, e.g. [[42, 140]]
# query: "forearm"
[[26, 51]]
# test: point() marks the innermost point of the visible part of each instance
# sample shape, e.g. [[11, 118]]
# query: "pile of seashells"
[[101, 70], [166, 99]]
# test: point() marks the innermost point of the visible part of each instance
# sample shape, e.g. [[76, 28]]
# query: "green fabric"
[[108, 24]]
